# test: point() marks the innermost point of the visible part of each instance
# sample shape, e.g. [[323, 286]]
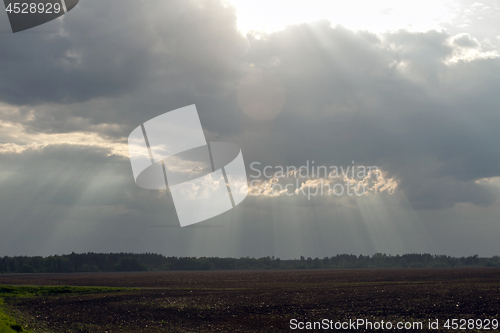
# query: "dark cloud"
[[94, 52], [465, 40]]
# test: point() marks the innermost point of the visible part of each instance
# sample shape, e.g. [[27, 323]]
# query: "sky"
[[409, 87]]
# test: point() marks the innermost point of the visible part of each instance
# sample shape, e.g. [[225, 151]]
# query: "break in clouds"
[[421, 106]]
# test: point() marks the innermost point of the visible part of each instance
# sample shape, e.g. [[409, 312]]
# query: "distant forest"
[[121, 262]]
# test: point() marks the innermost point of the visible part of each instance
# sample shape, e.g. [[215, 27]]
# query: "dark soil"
[[258, 301]]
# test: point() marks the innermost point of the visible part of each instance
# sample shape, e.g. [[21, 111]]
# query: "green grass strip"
[[8, 324], [33, 291]]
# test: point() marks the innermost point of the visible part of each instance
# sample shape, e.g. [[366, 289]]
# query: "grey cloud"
[[94, 52], [389, 102], [477, 19], [465, 40], [108, 74]]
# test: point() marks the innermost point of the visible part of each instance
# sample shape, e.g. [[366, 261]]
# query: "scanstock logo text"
[[205, 178]]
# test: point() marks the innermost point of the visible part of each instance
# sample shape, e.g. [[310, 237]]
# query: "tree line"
[[120, 262]]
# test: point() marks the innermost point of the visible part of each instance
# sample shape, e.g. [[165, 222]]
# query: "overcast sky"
[[413, 89]]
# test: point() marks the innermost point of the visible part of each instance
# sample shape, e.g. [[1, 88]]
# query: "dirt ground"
[[258, 301]]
